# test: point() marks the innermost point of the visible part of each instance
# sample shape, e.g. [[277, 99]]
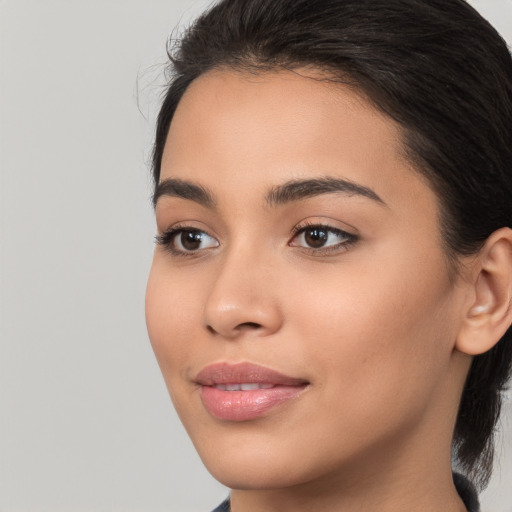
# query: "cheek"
[[376, 328], [172, 309]]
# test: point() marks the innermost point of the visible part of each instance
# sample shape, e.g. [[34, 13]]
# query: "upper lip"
[[239, 373]]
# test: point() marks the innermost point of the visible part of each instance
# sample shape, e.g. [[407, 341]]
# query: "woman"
[[330, 295]]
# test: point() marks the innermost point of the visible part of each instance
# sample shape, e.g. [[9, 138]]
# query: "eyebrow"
[[184, 189], [288, 192], [301, 189]]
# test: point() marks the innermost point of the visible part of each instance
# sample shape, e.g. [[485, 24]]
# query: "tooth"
[[246, 386], [249, 387]]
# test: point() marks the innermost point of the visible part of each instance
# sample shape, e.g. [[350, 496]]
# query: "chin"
[[250, 461], [259, 462], [249, 475]]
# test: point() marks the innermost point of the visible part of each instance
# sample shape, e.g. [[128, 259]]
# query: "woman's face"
[[300, 303]]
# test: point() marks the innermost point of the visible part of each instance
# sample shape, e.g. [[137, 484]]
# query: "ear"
[[488, 313]]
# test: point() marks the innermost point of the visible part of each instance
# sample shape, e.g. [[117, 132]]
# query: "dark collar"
[[223, 507], [467, 492]]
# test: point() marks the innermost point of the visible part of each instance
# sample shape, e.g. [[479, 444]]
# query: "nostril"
[[249, 325], [239, 327]]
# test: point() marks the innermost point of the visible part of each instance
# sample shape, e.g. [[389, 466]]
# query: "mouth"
[[242, 387], [245, 391]]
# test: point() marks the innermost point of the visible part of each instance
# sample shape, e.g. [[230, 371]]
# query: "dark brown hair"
[[434, 66]]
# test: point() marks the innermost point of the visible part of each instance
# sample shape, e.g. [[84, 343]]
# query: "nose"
[[243, 298]]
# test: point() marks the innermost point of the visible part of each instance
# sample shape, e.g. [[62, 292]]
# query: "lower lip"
[[246, 405]]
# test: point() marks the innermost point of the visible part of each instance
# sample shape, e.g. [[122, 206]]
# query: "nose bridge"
[[242, 298]]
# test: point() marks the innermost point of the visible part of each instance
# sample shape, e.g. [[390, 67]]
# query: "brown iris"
[[191, 240], [316, 237]]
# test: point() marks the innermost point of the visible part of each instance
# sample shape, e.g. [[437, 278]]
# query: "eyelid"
[[326, 223]]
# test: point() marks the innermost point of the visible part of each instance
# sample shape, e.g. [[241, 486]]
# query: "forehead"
[[222, 105], [251, 132]]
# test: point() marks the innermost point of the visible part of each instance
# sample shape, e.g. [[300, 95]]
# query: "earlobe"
[[490, 313]]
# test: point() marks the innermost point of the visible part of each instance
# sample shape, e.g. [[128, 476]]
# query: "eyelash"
[[167, 239]]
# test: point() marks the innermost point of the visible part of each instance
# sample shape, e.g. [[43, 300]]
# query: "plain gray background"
[[85, 421]]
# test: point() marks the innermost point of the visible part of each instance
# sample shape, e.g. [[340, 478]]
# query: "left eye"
[[320, 237]]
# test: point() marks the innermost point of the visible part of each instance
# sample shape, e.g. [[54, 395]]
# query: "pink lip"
[[244, 405]]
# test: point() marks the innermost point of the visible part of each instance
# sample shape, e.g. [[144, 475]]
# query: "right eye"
[[184, 241]]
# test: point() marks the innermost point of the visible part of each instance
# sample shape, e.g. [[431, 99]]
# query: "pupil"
[[191, 240], [316, 237]]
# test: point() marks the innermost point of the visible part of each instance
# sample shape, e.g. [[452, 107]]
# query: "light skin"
[[366, 308]]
